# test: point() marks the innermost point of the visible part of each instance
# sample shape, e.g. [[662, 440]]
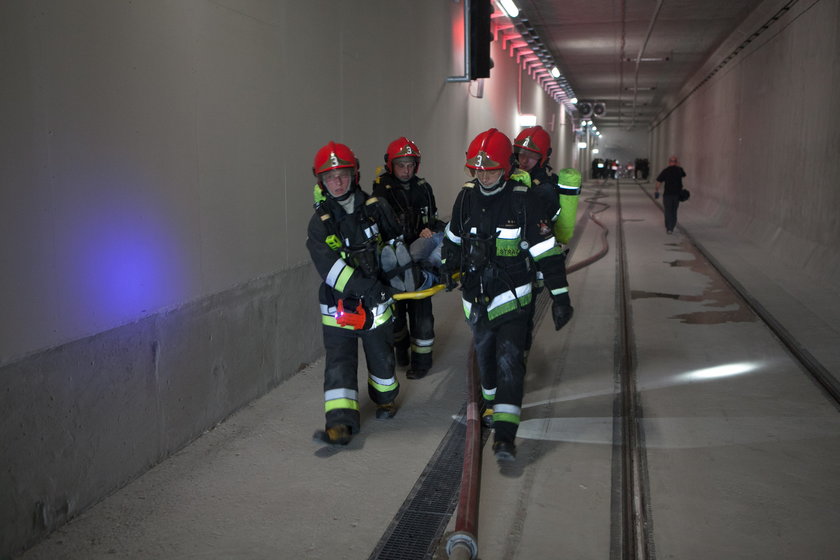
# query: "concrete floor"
[[742, 449]]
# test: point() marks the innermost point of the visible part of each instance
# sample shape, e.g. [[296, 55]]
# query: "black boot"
[[386, 410], [504, 450], [416, 373]]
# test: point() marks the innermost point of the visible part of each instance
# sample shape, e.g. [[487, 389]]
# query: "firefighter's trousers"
[[414, 329], [500, 355], [341, 391]]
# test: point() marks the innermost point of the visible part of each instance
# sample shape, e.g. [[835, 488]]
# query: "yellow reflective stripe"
[[467, 307], [507, 307], [343, 278], [383, 318], [341, 403], [339, 274], [488, 394], [422, 346], [383, 385], [508, 296], [341, 398], [542, 247], [330, 321], [504, 417], [506, 413], [382, 381], [382, 314], [554, 251], [558, 291]]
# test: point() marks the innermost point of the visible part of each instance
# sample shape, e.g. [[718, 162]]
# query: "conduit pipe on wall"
[[639, 58]]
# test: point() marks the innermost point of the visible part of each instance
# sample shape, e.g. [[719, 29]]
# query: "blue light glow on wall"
[[130, 260]]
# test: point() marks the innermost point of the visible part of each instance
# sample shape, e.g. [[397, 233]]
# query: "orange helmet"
[[334, 156], [534, 139], [490, 150], [402, 147]]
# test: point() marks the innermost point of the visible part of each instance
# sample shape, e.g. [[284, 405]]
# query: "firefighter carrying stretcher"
[[498, 238], [345, 237]]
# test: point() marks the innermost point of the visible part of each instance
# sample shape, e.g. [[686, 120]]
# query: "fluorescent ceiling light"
[[509, 8], [581, 145]]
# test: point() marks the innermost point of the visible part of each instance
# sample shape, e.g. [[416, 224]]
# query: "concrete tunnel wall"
[[759, 140], [758, 137], [156, 187]]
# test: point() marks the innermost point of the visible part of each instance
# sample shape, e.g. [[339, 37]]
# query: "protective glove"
[[562, 314], [449, 259], [656, 194]]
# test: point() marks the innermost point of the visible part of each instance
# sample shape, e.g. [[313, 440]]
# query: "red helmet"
[[534, 139], [334, 156], [490, 150], [402, 147]]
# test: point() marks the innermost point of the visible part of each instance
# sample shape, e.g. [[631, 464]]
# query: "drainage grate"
[[421, 521]]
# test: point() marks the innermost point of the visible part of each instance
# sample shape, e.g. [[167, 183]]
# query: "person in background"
[[413, 203], [344, 238], [498, 235], [672, 177]]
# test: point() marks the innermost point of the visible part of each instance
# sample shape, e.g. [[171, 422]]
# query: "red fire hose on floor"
[[463, 543]]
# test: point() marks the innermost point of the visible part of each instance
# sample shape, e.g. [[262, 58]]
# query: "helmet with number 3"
[[335, 156], [490, 150], [534, 139], [399, 148]]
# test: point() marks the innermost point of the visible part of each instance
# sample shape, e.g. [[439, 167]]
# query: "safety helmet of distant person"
[[536, 140]]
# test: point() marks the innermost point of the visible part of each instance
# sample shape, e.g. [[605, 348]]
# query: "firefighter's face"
[[488, 178], [337, 181], [404, 168], [527, 159]]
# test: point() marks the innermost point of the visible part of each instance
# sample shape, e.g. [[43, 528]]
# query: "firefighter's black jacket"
[[345, 250], [498, 242], [414, 207]]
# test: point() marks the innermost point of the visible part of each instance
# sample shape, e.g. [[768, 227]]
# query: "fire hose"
[[463, 543]]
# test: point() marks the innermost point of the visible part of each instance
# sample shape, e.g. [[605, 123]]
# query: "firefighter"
[[344, 239], [413, 202], [559, 192], [499, 235]]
